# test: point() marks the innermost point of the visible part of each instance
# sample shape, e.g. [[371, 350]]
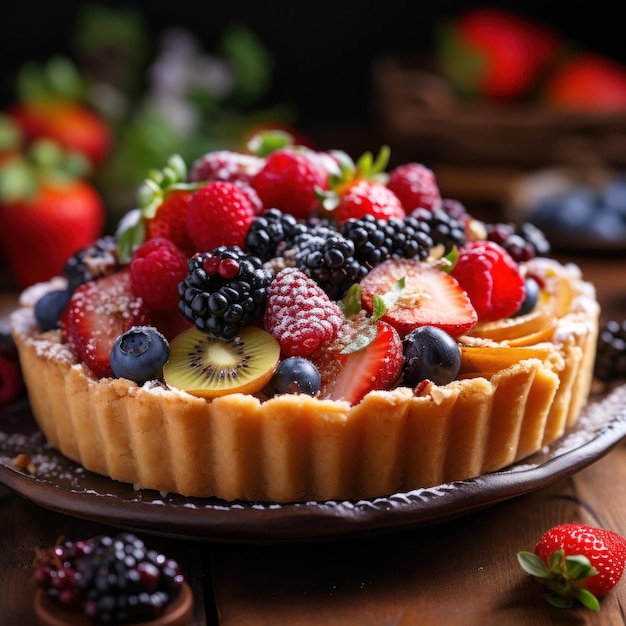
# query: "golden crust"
[[297, 448]]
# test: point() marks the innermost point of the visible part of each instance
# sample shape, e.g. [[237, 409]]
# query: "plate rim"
[[211, 519]]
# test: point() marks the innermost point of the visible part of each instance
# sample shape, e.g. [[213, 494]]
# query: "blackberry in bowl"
[[115, 580]]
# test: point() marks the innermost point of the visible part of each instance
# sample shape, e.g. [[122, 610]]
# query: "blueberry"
[[531, 297], [50, 307], [296, 375], [139, 354], [430, 354]]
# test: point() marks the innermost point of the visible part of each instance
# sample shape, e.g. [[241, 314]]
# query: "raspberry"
[[225, 165], [299, 314], [220, 214], [415, 185], [156, 268], [491, 279], [288, 182]]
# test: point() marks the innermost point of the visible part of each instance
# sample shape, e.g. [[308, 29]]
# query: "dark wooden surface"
[[463, 572]]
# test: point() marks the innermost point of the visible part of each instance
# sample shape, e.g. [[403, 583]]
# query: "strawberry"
[[299, 314], [360, 189], [408, 293], [288, 181], [170, 220], [72, 125], [365, 356], [588, 82], [47, 213], [491, 278], [219, 214], [495, 54], [576, 562], [415, 185], [97, 314]]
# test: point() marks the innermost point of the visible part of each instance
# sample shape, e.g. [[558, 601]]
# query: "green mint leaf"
[[351, 302], [130, 240], [379, 308]]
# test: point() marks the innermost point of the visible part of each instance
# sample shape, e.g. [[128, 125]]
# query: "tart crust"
[[297, 448]]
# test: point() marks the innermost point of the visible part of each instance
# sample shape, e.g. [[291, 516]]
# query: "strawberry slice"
[[99, 312], [365, 356], [417, 294]]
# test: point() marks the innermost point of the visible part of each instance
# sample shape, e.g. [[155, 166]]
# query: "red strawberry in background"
[[576, 562], [47, 213], [71, 124], [588, 82], [51, 104], [493, 53]]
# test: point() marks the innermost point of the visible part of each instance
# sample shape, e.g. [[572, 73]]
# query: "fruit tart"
[[293, 325]]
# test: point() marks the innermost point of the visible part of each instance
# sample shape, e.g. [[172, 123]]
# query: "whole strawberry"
[[360, 189], [587, 82], [47, 212], [494, 54], [576, 562], [72, 125]]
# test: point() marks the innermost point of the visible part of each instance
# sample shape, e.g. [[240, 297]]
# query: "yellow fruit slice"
[[210, 367], [488, 359]]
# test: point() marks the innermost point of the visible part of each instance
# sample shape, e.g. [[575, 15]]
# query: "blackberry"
[[327, 257], [522, 242], [611, 351], [225, 290], [271, 233], [111, 580], [376, 240], [446, 227], [98, 259]]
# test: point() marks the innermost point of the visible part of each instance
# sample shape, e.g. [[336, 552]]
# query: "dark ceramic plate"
[[61, 485]]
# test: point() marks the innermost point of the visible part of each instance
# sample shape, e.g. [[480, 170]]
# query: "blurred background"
[[528, 140]]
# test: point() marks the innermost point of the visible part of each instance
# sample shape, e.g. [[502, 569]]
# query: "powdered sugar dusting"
[[299, 314]]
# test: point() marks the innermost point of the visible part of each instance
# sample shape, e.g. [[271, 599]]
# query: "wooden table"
[[461, 572]]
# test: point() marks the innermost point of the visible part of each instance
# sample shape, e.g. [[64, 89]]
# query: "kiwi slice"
[[209, 366]]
